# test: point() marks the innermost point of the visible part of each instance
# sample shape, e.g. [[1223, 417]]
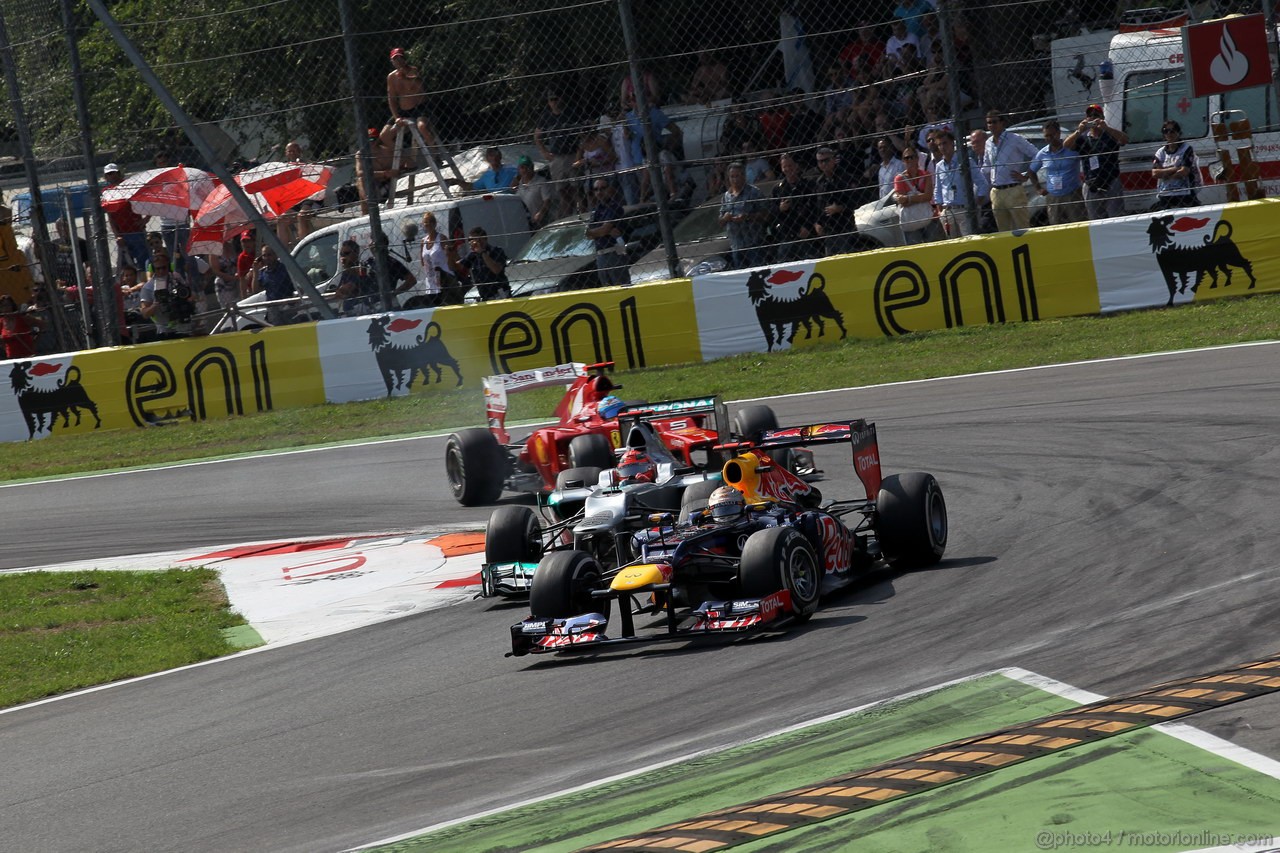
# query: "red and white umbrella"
[[272, 187], [221, 206], [170, 193], [309, 185]]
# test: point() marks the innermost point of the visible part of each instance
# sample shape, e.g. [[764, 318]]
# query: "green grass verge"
[[61, 631], [834, 365]]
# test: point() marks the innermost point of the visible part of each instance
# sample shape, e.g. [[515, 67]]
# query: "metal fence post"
[[105, 295], [362, 151], [650, 141]]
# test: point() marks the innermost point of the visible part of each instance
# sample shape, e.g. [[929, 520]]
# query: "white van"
[[502, 216], [1138, 75]]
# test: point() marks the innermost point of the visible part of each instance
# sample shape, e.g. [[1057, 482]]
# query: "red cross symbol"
[[1184, 105]]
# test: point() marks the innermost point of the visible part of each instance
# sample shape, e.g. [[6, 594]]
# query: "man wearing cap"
[[500, 178], [556, 138], [406, 96], [534, 192], [129, 227], [1098, 145], [245, 271]]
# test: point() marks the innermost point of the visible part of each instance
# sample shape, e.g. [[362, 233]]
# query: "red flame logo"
[[40, 368], [1188, 223], [403, 325], [786, 276]]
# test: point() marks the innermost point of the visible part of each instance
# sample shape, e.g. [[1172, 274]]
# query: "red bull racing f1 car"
[[599, 511], [758, 557]]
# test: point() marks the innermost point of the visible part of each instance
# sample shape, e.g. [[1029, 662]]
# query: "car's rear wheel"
[[695, 497], [749, 421], [778, 558], [592, 450], [474, 465], [562, 586], [513, 535], [911, 520]]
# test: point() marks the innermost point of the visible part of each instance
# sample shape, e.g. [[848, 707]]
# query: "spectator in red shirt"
[[865, 51], [129, 227], [244, 262], [17, 329]]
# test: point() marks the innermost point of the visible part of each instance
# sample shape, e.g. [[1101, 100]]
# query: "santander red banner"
[[1226, 54]]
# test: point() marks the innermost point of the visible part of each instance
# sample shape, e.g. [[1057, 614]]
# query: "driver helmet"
[[637, 467], [726, 504], [609, 407]]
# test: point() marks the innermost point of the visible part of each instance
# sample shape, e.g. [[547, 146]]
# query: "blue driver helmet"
[[609, 407]]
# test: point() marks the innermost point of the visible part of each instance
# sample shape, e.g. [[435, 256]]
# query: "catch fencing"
[[552, 80]]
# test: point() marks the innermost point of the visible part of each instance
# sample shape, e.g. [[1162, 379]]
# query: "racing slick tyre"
[[474, 465], [694, 499], [592, 450], [750, 421], [779, 558], [574, 478], [562, 586], [513, 535], [912, 520]]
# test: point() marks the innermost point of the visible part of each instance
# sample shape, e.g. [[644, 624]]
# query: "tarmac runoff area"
[[293, 590], [1166, 788]]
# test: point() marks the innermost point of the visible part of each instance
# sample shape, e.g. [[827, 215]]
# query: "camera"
[[175, 298]]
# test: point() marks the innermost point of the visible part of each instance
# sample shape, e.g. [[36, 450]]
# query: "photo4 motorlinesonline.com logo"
[[1181, 839]]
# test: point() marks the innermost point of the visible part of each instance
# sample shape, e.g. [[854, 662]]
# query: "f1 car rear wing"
[[860, 434], [668, 409], [498, 386]]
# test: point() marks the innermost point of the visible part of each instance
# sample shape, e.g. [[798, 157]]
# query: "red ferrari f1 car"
[[758, 557], [482, 463]]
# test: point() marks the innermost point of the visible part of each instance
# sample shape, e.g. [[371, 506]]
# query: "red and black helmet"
[[636, 466]]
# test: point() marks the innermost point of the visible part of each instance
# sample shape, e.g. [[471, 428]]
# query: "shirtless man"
[[406, 96], [382, 149]]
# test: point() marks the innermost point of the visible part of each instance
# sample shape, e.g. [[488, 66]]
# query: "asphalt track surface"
[[1113, 525]]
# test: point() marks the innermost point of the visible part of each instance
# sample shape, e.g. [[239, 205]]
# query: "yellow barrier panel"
[[1140, 261], [1002, 278], [165, 382], [409, 351]]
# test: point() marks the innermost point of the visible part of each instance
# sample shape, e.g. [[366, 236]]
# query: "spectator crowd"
[[788, 173]]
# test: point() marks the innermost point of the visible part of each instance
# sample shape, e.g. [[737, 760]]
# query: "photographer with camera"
[[166, 300], [488, 266], [1098, 145]]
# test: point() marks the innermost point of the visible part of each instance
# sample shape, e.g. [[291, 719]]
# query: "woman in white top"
[[439, 260]]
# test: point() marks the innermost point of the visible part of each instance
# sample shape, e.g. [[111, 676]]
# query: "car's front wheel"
[[562, 586], [778, 558], [513, 535]]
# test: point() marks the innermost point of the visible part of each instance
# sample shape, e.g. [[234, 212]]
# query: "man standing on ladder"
[[406, 96]]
